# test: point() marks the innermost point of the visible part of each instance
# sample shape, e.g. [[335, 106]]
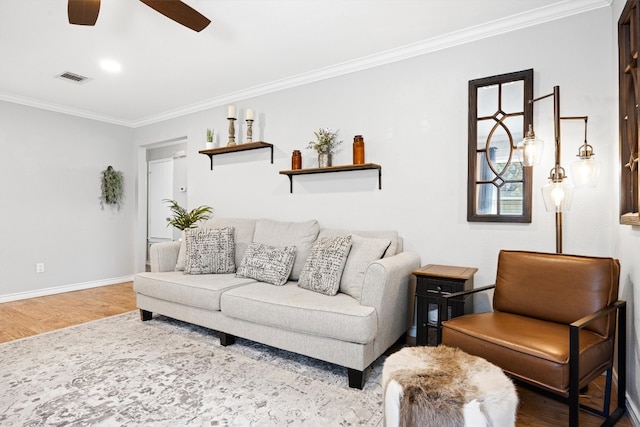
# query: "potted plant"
[[325, 145], [183, 219], [209, 139]]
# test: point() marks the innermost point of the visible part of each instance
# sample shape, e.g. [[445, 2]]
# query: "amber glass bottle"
[[296, 160], [358, 150]]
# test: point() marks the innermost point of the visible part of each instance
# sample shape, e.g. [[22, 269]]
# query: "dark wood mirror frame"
[[498, 187], [629, 87]]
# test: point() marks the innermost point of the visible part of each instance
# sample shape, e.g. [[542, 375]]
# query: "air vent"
[[73, 77]]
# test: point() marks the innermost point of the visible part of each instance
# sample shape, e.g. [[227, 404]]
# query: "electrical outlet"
[[40, 267]]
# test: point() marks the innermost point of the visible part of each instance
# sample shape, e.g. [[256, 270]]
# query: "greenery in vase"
[[183, 219], [112, 187], [326, 141], [209, 135]]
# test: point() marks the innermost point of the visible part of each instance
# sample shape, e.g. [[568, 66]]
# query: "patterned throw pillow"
[[209, 251], [266, 263], [324, 265]]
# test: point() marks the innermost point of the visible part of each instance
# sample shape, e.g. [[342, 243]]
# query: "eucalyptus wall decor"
[[112, 188]]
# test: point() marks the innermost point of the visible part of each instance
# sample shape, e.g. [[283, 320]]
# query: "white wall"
[[50, 171]]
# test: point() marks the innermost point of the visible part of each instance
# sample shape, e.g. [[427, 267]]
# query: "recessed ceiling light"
[[110, 65]]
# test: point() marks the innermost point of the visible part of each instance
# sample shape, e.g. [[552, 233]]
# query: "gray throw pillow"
[[364, 250], [302, 235], [323, 269], [267, 263], [209, 251]]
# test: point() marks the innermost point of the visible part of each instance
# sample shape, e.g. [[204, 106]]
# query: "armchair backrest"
[[556, 287]]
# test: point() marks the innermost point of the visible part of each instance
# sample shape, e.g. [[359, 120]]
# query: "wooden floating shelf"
[[238, 147], [343, 168]]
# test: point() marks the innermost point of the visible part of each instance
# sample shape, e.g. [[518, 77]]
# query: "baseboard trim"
[[62, 289], [633, 412]]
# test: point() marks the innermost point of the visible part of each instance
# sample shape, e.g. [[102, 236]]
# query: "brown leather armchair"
[[553, 325]]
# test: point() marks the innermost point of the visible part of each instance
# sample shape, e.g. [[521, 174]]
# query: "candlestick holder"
[[249, 130], [232, 132]]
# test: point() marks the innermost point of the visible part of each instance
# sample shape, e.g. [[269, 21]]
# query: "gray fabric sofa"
[[353, 328]]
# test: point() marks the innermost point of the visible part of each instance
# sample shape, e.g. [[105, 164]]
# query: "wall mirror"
[[499, 187]]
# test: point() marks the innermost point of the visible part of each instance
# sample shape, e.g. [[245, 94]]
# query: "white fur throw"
[[444, 386]]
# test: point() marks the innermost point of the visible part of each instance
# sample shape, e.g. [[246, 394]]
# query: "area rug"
[[120, 371]]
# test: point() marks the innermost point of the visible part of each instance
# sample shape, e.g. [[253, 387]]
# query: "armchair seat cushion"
[[535, 351]]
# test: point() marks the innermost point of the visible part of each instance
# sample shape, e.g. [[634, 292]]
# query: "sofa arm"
[[386, 288], [164, 256]]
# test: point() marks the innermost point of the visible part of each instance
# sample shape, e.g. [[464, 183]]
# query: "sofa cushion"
[[302, 235], [202, 291], [394, 248], [323, 269], [364, 250], [293, 308], [182, 254], [267, 263], [210, 250]]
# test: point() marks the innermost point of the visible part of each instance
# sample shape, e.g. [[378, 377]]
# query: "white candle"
[[249, 114], [231, 112]]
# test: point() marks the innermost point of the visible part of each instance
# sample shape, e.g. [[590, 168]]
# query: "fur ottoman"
[[444, 386]]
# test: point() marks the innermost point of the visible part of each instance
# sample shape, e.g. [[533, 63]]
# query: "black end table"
[[432, 281]]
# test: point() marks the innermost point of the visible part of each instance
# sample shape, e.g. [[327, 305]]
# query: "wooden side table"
[[432, 281]]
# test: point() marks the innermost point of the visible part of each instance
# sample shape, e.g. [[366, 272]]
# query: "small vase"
[[358, 150], [296, 160], [324, 160], [209, 145]]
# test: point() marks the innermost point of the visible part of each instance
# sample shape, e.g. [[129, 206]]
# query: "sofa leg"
[[145, 315], [356, 378], [227, 339]]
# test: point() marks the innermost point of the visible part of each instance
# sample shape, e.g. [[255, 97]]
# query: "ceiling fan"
[[85, 12]]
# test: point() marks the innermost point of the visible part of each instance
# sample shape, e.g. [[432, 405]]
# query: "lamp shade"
[[557, 196], [530, 149], [584, 172], [586, 168]]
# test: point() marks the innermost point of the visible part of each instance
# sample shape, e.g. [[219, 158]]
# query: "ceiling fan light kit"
[[85, 12]]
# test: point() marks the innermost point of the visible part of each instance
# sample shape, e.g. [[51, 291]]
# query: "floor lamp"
[[558, 193]]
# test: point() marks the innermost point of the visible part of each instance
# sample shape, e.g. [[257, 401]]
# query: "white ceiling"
[[251, 47]]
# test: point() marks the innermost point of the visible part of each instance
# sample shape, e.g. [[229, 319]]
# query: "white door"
[[160, 179]]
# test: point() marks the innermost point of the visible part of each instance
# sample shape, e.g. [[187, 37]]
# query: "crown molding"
[[30, 102], [560, 10]]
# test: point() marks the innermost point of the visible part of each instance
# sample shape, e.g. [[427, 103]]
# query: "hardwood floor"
[[20, 319], [23, 318]]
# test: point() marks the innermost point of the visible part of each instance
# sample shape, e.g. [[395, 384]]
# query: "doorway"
[[166, 173]]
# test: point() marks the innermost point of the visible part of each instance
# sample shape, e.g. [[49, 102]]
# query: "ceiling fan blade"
[[179, 12], [83, 12]]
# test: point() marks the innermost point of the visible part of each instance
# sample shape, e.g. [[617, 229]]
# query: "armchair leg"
[[145, 315], [574, 376], [574, 392]]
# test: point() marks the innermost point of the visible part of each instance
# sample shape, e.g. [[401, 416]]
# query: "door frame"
[[140, 237]]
